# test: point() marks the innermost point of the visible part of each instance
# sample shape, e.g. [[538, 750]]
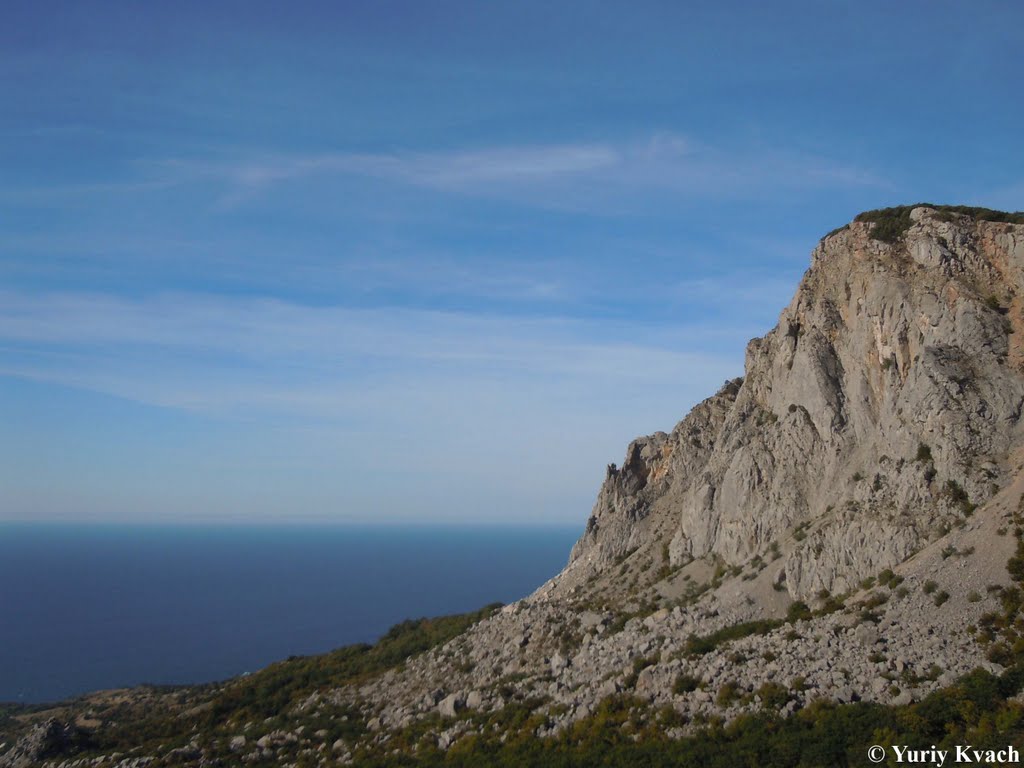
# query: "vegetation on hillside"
[[270, 696], [891, 224]]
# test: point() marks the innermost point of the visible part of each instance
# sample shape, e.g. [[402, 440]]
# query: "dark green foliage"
[[622, 733], [271, 690], [1016, 567], [274, 690], [889, 579], [699, 646], [798, 611], [875, 599], [891, 224], [924, 454], [685, 684], [955, 492], [728, 694], [831, 604], [774, 696], [800, 532]]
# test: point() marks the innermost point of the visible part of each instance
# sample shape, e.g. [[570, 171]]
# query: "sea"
[[89, 607]]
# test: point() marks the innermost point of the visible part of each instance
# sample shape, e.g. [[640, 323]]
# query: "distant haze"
[[395, 262]]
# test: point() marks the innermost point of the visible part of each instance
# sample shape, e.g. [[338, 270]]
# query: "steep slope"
[[876, 415]]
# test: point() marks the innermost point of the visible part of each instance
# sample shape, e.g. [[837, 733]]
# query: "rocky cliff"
[[878, 413]]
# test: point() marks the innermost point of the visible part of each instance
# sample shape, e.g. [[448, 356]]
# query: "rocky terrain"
[[834, 525]]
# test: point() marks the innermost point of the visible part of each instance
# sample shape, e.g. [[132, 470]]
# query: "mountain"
[[883, 406], [827, 551]]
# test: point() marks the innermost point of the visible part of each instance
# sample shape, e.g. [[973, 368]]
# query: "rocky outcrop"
[[47, 739], [876, 414]]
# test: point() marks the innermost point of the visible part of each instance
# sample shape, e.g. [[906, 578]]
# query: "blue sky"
[[435, 262]]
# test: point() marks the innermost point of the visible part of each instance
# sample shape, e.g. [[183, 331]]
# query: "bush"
[[798, 611], [685, 684], [727, 694], [699, 646], [773, 695]]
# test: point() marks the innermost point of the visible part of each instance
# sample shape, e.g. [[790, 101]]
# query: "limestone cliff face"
[[881, 407]]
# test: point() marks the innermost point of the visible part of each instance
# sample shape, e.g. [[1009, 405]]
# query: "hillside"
[[819, 549]]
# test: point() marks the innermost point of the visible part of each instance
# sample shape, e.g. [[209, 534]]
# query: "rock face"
[[877, 413]]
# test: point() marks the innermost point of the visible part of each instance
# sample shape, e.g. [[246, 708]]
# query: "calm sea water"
[[84, 608]]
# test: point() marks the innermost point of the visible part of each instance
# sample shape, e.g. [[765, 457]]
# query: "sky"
[[406, 262]]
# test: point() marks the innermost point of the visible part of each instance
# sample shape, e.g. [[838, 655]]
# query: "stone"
[[451, 705]]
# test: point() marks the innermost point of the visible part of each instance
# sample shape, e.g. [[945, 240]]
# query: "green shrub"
[[774, 696], [699, 646], [685, 683], [728, 694], [798, 611]]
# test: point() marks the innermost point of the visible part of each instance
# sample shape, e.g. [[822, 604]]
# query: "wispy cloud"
[[233, 355], [559, 174], [605, 176], [452, 170], [388, 410]]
